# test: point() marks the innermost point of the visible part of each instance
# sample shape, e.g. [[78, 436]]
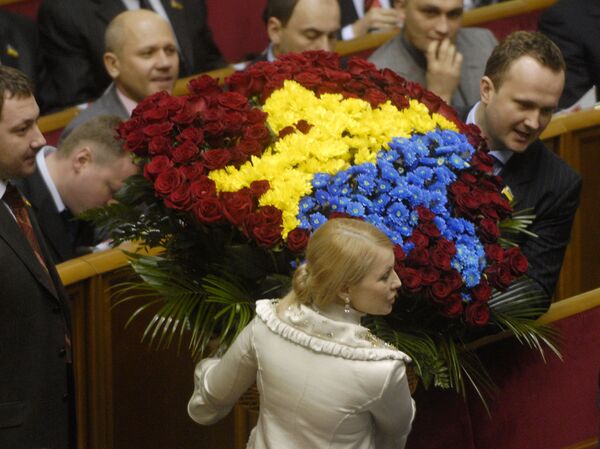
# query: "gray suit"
[[475, 44], [108, 104]]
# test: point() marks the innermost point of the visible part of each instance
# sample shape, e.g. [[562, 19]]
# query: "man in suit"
[[19, 43], [141, 58], [83, 173], [72, 44], [300, 25], [360, 17], [435, 52], [574, 26], [36, 381], [520, 89]]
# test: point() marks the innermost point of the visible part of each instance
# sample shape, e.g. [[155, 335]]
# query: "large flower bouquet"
[[236, 177]]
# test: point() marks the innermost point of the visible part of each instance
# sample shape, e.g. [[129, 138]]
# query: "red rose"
[[308, 79], [337, 76], [215, 159], [157, 165], [477, 314], [208, 210], [446, 246], [159, 145], [494, 252], [440, 291], [204, 85], [303, 126], [429, 275], [270, 214], [411, 279], [425, 215], [452, 306], [297, 240], [191, 134], [250, 147], [158, 129], [236, 205], [419, 256], [233, 100], [214, 128], [440, 259], [482, 161], [155, 114], [135, 142], [454, 279], [399, 255], [431, 100], [356, 66], [180, 198], [419, 239], [256, 116], [499, 276], [468, 178], [257, 188], [517, 261], [258, 133], [185, 152], [482, 292], [203, 187], [459, 188], [194, 171], [267, 234], [171, 103], [286, 131], [374, 97], [430, 229], [488, 230], [168, 180]]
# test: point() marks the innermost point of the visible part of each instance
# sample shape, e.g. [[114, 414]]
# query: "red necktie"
[[372, 4], [15, 201]]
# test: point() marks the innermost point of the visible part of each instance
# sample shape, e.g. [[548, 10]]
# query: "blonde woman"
[[324, 380]]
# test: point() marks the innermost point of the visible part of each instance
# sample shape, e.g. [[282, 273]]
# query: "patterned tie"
[[372, 4], [15, 201]]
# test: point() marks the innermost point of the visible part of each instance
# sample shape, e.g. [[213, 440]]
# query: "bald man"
[[300, 25], [141, 58], [72, 44]]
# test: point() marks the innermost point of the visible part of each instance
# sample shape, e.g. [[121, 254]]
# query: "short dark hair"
[[519, 44], [281, 10], [100, 130], [13, 82]]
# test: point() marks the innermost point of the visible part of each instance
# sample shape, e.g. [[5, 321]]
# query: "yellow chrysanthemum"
[[344, 132]]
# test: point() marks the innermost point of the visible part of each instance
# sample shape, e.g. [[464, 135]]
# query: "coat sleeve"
[[218, 383], [394, 412]]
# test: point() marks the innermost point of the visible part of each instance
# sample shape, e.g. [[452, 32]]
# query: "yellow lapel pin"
[[176, 5], [12, 51]]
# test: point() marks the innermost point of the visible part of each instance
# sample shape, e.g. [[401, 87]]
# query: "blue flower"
[[320, 180]]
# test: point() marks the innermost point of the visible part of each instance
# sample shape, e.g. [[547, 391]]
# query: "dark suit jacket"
[[348, 12], [574, 25], [61, 245], [539, 179], [72, 45], [19, 43], [36, 386]]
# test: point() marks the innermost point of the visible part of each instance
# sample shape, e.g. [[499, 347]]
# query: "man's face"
[[314, 25], [20, 137], [516, 113], [431, 20], [95, 184], [148, 61]]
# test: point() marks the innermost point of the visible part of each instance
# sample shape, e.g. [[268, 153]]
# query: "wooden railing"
[[129, 396]]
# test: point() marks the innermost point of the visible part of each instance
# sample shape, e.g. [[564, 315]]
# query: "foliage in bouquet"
[[236, 177]]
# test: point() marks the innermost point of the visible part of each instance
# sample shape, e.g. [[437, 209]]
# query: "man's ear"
[[486, 89], [111, 64], [274, 28], [81, 158]]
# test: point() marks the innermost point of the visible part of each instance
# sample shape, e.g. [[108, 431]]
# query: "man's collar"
[[40, 160], [127, 102], [502, 155], [270, 54]]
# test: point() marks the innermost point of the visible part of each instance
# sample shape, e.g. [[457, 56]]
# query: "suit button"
[[62, 352]]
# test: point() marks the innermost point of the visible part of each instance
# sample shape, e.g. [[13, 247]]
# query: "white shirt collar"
[[40, 160], [3, 184], [127, 102], [502, 155]]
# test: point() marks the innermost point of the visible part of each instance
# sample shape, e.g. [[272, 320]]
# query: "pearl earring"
[[347, 304]]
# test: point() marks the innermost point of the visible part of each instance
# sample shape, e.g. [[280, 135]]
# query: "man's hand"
[[443, 68], [377, 19]]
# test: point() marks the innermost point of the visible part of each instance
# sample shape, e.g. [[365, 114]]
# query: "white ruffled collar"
[[330, 331]]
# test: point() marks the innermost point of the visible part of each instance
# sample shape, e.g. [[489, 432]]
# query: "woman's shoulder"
[[307, 327]]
